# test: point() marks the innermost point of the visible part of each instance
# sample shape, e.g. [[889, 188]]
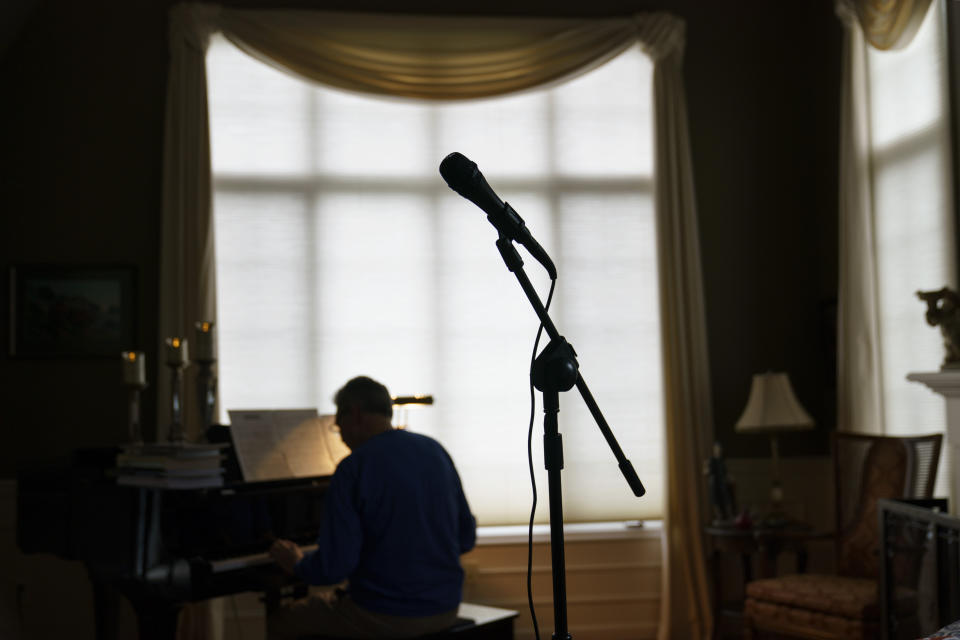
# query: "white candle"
[[134, 368], [206, 347], [176, 352]]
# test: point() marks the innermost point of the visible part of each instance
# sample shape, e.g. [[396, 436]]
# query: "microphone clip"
[[511, 257]]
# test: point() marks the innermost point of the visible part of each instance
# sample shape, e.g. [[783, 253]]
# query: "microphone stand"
[[555, 370]]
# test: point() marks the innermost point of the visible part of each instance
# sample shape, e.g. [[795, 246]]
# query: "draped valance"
[[888, 24], [426, 57]]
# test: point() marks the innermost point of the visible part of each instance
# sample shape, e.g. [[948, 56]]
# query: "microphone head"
[[463, 176], [460, 173]]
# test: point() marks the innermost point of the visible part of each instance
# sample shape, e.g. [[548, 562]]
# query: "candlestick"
[[176, 395], [176, 352], [206, 393], [133, 426], [205, 343], [176, 360], [134, 368], [135, 378]]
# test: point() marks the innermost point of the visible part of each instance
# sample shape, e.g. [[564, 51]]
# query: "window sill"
[[578, 531]]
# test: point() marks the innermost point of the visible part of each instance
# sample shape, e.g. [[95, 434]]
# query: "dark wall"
[[83, 87], [81, 122], [763, 90]]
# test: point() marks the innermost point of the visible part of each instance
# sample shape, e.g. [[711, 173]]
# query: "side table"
[[764, 543]]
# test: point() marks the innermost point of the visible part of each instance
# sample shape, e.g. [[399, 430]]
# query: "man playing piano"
[[394, 525]]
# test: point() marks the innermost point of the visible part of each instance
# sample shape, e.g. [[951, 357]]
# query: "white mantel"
[[947, 384]]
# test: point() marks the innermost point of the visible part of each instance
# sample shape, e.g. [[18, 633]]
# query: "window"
[[913, 212], [341, 251]]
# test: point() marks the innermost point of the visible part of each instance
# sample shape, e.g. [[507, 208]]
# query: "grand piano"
[[161, 548]]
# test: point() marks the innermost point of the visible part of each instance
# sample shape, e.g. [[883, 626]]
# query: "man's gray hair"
[[365, 394]]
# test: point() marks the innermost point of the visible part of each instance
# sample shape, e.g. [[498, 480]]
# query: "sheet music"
[[273, 444]]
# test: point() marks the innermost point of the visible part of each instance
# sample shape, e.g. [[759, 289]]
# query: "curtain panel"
[[439, 58], [685, 597], [187, 265], [859, 383], [891, 24]]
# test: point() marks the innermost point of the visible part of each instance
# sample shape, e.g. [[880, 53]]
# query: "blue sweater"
[[395, 522]]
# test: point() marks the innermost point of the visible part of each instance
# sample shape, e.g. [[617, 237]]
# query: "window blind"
[[341, 252]]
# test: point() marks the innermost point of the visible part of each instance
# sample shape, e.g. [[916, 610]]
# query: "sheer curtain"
[[684, 372], [897, 227]]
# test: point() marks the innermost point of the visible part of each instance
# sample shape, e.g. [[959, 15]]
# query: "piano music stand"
[[555, 370]]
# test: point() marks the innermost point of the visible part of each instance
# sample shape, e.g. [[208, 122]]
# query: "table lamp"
[[773, 408]]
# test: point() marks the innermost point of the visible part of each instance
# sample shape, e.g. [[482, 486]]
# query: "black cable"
[[533, 479]]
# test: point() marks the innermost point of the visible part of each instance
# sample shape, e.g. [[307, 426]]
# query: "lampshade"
[[772, 406]]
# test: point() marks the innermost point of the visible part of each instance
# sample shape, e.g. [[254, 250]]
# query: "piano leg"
[[106, 609], [156, 619]]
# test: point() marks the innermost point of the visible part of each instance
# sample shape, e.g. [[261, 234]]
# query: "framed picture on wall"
[[71, 311]]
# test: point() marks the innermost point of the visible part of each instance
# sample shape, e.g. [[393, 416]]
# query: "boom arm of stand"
[[626, 468]]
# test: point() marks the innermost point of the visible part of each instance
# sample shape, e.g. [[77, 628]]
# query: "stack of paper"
[[171, 466]]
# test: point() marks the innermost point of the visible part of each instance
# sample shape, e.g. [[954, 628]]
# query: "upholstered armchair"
[[846, 605]]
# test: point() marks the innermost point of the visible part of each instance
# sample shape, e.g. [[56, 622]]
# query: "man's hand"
[[286, 554]]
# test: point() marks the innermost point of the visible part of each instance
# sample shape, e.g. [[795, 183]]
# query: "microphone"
[[463, 176]]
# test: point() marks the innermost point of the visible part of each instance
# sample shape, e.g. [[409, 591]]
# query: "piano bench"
[[474, 622]]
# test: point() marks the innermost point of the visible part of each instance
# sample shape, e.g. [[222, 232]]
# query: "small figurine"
[[718, 484], [943, 310]]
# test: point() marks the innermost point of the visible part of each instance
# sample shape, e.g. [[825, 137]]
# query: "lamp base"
[[776, 495], [776, 517]]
